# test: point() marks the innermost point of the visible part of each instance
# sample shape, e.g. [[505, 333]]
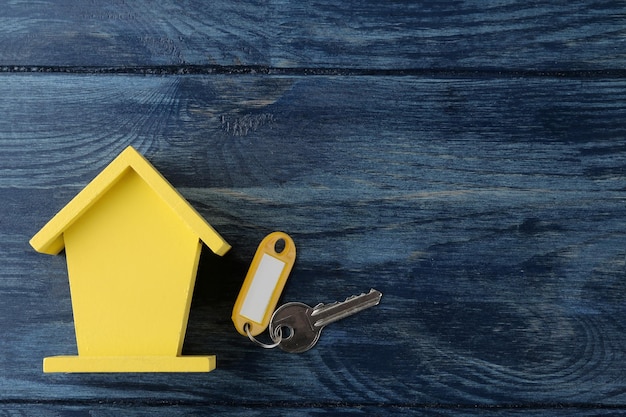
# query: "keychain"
[[263, 285], [294, 327]]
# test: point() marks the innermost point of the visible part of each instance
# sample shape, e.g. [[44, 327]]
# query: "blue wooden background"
[[466, 158]]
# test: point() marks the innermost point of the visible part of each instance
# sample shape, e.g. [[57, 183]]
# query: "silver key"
[[298, 326]]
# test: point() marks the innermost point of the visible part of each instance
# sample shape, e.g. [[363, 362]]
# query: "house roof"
[[50, 238]]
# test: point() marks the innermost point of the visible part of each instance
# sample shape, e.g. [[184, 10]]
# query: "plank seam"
[[321, 71], [126, 402]]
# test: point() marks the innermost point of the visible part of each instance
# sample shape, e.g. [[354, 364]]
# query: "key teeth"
[[352, 297], [363, 294]]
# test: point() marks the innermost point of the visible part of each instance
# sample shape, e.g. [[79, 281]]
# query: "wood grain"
[[467, 159], [520, 35], [489, 212], [453, 34]]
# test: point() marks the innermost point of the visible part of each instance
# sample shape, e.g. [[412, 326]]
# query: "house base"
[[129, 364]]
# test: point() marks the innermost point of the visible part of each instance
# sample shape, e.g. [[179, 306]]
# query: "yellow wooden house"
[[132, 244]]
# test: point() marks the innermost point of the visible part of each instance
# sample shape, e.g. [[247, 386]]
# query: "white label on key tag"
[[262, 288]]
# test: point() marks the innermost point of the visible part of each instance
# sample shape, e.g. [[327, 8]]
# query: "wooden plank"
[[449, 34], [514, 35], [489, 212], [121, 33]]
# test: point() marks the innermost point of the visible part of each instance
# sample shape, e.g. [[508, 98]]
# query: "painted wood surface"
[[488, 212], [467, 161], [473, 34]]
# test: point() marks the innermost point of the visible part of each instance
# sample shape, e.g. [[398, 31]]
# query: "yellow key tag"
[[263, 284]]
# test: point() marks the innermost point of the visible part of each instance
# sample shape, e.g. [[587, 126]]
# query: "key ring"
[[277, 337]]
